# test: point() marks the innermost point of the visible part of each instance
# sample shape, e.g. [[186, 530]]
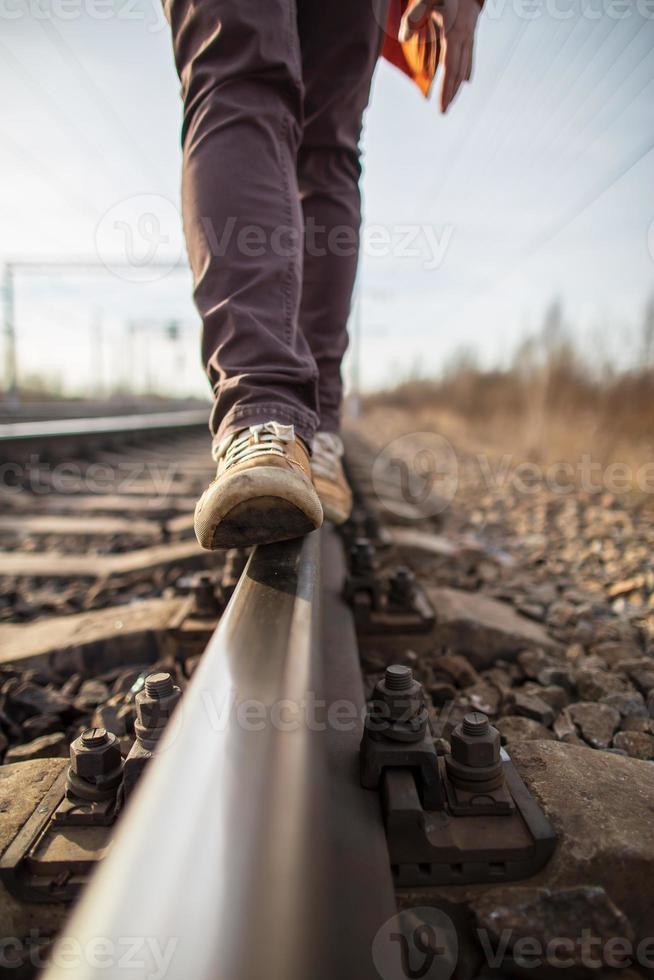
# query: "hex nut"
[[155, 712], [473, 750], [400, 707], [91, 762], [399, 704], [401, 586], [362, 557]]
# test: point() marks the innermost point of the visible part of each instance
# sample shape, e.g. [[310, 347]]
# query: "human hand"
[[456, 21]]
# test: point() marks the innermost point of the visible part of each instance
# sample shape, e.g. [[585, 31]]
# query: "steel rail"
[[249, 850], [65, 428], [18, 439]]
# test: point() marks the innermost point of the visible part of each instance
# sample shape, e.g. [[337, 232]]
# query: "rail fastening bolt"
[[159, 685], [93, 737], [476, 724], [398, 705], [475, 762], [398, 677], [362, 556], [402, 583]]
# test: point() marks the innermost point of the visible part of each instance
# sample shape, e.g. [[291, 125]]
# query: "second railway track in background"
[[272, 824], [97, 510]]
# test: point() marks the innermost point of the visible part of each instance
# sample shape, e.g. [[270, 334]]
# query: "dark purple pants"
[[274, 92]]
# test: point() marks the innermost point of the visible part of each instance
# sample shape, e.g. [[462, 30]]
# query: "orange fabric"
[[411, 57], [417, 58]]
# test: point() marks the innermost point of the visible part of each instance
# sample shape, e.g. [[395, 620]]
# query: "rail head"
[[20, 442], [53, 429]]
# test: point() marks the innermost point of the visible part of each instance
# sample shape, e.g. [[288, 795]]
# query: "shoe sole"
[[261, 520], [333, 515]]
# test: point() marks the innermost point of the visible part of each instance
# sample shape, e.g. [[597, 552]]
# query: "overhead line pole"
[[11, 383]]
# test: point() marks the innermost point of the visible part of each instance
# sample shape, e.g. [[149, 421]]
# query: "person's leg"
[[340, 42], [239, 65]]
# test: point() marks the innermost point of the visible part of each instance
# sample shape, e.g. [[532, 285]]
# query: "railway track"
[[256, 804], [96, 509]]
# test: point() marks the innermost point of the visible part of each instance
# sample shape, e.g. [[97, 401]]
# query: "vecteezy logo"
[[416, 944], [140, 239], [419, 471]]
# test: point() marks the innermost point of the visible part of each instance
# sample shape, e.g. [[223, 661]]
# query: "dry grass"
[[548, 407]]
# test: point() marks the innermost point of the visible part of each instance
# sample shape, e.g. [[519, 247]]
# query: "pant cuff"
[[305, 423]]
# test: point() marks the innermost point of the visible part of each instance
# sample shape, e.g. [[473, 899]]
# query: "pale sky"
[[538, 184]]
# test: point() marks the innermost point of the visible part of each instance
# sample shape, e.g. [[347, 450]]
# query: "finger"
[[468, 61], [463, 63], [460, 73], [456, 86], [451, 80]]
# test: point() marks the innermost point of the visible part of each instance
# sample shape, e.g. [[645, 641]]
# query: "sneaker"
[[328, 477], [262, 491]]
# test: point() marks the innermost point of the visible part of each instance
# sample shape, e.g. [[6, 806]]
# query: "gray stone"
[[565, 728], [442, 694], [616, 653], [39, 725], [35, 700], [629, 704], [529, 706], [592, 662], [533, 662], [557, 697], [92, 693], [127, 714], [125, 679], [70, 688], [558, 676], [561, 613], [595, 684], [575, 654], [484, 697], [449, 718], [596, 722], [532, 610], [636, 744], [511, 914], [42, 675], [481, 628], [107, 717], [53, 746], [499, 677], [641, 673], [632, 724], [420, 546], [457, 668], [545, 593], [516, 728]]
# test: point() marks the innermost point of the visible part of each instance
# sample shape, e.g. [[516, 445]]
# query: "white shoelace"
[[327, 454], [264, 439]]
